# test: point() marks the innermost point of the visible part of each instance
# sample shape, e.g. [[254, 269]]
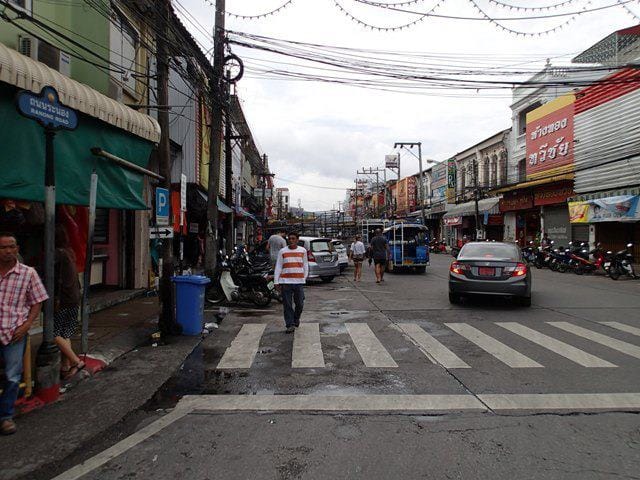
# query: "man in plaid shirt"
[[21, 297]]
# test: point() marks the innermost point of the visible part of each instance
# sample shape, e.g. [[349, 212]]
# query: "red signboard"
[[518, 200], [495, 219], [553, 193], [550, 137], [452, 221]]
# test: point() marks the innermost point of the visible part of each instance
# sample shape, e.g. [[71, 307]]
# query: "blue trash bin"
[[190, 302]]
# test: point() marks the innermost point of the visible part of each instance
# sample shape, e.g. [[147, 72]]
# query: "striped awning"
[[23, 72]]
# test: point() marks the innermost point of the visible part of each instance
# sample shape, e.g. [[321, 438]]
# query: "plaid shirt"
[[20, 289]]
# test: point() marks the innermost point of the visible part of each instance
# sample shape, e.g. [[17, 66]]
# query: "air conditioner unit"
[[28, 46], [45, 53]]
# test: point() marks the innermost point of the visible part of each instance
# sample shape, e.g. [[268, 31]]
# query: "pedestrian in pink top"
[[21, 297]]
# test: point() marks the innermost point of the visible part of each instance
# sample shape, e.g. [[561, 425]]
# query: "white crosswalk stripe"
[[615, 344], [243, 348], [489, 344], [564, 349], [623, 327], [369, 347], [432, 348], [307, 350]]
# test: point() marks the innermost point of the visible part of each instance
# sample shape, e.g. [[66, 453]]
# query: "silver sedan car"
[[490, 268]]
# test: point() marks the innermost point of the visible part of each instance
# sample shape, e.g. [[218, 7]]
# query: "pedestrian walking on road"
[[67, 304], [357, 255], [292, 270], [380, 254], [276, 243], [21, 297]]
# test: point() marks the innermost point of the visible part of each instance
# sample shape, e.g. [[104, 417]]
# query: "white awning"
[[26, 73], [489, 205]]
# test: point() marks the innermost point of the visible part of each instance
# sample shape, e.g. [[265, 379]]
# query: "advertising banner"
[[623, 208], [391, 161], [550, 137]]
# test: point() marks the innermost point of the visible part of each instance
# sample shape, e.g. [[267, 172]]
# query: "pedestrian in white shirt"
[[292, 270], [357, 256]]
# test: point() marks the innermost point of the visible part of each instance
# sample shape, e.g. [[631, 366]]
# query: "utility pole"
[[476, 194], [355, 193], [420, 187], [167, 321], [376, 172], [215, 88], [228, 176]]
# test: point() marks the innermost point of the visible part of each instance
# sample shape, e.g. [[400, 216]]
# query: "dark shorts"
[[380, 261]]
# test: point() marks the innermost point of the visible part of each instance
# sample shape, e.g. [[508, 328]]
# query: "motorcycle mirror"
[[552, 242], [629, 245], [598, 244], [609, 252]]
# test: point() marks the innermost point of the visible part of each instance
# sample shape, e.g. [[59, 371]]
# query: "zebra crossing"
[[307, 350]]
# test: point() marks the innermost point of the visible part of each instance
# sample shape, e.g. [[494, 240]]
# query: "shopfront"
[[614, 217], [461, 218], [120, 254]]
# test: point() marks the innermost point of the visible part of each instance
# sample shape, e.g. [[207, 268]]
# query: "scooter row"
[[580, 260], [238, 280]]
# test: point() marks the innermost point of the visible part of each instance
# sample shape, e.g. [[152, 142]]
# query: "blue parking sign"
[[162, 206]]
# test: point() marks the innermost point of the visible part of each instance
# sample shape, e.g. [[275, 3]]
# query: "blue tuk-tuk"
[[409, 246]]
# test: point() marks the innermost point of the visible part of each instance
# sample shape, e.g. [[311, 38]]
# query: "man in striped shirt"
[[292, 270], [21, 297]]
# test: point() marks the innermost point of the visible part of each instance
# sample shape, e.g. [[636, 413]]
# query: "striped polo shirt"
[[292, 266]]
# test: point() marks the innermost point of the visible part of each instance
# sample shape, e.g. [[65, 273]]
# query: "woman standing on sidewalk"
[[67, 304], [357, 255]]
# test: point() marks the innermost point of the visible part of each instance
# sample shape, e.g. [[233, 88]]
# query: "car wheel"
[[524, 301], [326, 279], [454, 298]]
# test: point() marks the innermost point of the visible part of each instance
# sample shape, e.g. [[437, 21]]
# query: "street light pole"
[[420, 191]]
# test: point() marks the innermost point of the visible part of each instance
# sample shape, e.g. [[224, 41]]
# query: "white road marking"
[[560, 401], [505, 354], [336, 403], [307, 350], [564, 349], [432, 348], [124, 445], [623, 327], [619, 345], [243, 348], [369, 347]]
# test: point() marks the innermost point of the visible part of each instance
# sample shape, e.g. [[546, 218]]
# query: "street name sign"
[[47, 110]]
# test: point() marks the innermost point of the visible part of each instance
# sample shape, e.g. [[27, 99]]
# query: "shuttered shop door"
[[580, 233]]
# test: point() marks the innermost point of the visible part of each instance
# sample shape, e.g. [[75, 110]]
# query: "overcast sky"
[[321, 134]]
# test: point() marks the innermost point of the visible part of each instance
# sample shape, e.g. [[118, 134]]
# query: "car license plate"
[[408, 262], [486, 271], [270, 285]]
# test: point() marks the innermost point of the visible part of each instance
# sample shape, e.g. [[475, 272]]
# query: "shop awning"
[[241, 211], [25, 73], [486, 205], [102, 123], [222, 207], [534, 183]]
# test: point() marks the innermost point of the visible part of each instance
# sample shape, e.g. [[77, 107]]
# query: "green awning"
[[22, 160]]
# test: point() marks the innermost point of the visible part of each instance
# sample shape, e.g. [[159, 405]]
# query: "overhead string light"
[[532, 9], [627, 9], [528, 34], [389, 29], [257, 16]]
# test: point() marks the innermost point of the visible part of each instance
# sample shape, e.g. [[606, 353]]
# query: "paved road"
[[389, 380]]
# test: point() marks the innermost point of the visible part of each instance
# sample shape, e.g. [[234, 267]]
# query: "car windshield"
[[321, 246], [494, 251]]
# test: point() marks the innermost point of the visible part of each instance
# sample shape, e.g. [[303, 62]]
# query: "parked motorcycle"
[[543, 256], [529, 253], [622, 264], [235, 281]]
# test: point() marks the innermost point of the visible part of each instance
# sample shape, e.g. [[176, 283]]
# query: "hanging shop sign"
[[550, 137], [453, 221], [47, 110], [451, 180], [623, 208], [392, 161], [518, 200], [552, 194]]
